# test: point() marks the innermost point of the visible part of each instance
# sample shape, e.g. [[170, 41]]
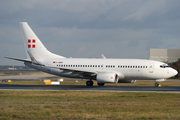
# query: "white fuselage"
[[126, 68]]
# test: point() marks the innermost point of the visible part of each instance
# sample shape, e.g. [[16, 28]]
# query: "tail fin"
[[33, 44]]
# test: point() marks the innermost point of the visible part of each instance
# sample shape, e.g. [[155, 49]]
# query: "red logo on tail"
[[32, 58], [31, 43]]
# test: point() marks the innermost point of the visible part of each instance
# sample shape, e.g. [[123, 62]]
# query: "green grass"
[[17, 72], [82, 105]]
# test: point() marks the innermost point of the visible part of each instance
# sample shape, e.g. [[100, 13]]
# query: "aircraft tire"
[[156, 85], [101, 84], [89, 83]]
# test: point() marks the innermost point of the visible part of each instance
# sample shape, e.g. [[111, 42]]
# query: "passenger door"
[[151, 68]]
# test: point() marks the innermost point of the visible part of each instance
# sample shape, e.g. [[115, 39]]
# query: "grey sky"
[[89, 28]]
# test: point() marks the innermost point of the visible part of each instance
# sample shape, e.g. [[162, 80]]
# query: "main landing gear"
[[100, 84], [89, 83]]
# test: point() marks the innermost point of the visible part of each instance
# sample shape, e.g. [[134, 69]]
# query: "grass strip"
[[81, 105]]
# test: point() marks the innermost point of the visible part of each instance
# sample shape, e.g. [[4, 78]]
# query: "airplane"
[[102, 70]]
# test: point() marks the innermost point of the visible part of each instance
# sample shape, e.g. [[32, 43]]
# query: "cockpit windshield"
[[164, 66]]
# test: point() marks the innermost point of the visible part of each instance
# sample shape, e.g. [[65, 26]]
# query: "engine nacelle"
[[107, 77], [126, 81]]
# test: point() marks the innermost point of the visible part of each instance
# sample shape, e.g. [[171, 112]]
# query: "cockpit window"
[[164, 66]]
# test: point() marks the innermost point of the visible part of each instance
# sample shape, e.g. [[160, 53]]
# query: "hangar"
[[165, 55]]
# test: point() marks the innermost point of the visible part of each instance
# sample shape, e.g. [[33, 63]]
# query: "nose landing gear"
[[159, 80], [157, 84]]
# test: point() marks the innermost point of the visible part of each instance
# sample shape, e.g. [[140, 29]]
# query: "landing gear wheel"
[[89, 83], [101, 84], [156, 85]]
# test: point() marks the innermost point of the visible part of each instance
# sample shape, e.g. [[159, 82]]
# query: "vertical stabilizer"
[[33, 44]]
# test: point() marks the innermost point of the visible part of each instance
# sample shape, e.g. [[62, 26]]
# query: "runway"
[[93, 88]]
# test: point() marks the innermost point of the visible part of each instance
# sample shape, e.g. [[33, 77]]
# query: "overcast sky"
[[89, 28]]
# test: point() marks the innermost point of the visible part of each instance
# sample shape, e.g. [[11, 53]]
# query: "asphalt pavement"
[[91, 88]]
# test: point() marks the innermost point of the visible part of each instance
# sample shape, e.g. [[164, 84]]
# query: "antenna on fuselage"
[[103, 56]]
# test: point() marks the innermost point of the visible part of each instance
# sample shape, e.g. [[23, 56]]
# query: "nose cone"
[[174, 72]]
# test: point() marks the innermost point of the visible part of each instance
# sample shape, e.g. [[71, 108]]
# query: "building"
[[165, 55], [8, 67]]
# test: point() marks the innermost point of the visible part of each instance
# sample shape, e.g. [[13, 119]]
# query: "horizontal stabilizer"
[[23, 60], [18, 59]]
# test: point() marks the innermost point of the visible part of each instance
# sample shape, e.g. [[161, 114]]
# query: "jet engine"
[[107, 77], [126, 81]]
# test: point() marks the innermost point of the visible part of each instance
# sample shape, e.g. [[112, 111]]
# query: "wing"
[[73, 71]]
